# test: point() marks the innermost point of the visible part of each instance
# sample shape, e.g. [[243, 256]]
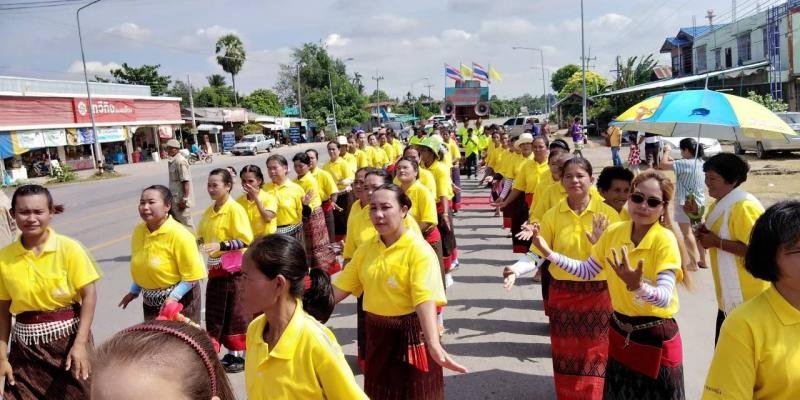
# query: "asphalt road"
[[500, 335]]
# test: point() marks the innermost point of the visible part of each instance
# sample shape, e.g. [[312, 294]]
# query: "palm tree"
[[231, 56], [216, 80], [358, 82]]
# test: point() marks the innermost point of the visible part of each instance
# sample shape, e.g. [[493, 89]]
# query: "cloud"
[[386, 25], [129, 30], [214, 32], [611, 21], [92, 68], [336, 40], [456, 34], [503, 29]]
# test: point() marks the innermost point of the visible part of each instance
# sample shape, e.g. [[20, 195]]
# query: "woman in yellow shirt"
[[579, 308], [430, 152], [224, 232], [425, 176], [645, 353], [514, 204], [756, 356], [423, 205], [187, 366], [47, 283], [261, 206], [725, 233], [327, 187], [318, 250], [344, 175], [292, 199], [454, 162], [292, 355], [166, 266], [399, 277]]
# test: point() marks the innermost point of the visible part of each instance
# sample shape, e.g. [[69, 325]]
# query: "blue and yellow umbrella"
[[703, 113]]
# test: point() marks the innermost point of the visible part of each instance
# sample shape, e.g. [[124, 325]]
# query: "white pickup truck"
[[253, 144]]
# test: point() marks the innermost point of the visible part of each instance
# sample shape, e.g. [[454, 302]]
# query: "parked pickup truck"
[[253, 144]]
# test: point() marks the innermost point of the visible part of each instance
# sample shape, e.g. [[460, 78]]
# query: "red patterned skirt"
[[344, 201], [319, 252], [650, 366], [39, 356], [399, 366], [226, 318], [579, 313]]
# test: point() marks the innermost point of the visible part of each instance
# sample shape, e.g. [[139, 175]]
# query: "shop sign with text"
[[105, 110]]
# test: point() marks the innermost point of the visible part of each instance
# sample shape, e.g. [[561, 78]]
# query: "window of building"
[[743, 47], [717, 59], [676, 65], [700, 63], [765, 42]]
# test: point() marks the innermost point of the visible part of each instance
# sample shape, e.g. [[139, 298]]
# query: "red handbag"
[[232, 261]]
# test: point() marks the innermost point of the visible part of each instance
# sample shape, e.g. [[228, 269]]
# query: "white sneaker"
[[448, 280], [455, 265]]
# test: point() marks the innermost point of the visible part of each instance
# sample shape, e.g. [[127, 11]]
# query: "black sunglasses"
[[652, 202]]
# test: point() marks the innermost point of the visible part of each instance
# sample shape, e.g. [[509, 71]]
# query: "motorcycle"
[[194, 158]]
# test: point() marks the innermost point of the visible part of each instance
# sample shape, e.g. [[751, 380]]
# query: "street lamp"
[[546, 99], [98, 154], [333, 103], [414, 104], [541, 55]]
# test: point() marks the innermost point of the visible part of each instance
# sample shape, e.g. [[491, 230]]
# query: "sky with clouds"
[[401, 41]]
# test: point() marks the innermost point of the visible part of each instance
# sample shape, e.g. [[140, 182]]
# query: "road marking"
[[90, 216], [105, 244]]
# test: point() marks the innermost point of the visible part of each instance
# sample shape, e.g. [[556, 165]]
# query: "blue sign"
[[294, 135], [228, 140]]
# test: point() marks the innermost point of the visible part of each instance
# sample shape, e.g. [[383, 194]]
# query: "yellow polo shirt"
[[756, 356], [166, 256], [306, 363], [339, 171], [308, 183], [659, 251], [360, 229], [290, 202], [549, 197], [566, 231], [394, 279], [520, 171], [379, 157], [390, 152], [539, 173], [423, 205], [49, 281], [444, 184], [526, 170], [454, 151], [229, 223], [257, 224], [363, 158], [398, 148], [326, 183], [351, 161], [743, 216], [544, 181]]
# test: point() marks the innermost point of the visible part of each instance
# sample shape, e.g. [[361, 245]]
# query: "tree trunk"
[[235, 95]]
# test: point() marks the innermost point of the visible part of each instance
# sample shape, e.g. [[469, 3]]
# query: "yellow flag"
[[466, 71], [494, 75]]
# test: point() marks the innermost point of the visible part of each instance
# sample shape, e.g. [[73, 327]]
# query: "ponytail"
[[318, 296]]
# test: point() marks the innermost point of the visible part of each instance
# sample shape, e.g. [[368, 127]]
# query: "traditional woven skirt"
[[226, 318], [434, 238], [455, 176], [361, 335], [448, 239], [399, 366], [519, 215], [319, 252], [344, 201], [650, 366], [579, 315], [295, 231], [506, 212], [327, 210], [153, 300], [40, 344]]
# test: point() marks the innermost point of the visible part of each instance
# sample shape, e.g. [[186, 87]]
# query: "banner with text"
[[120, 110]]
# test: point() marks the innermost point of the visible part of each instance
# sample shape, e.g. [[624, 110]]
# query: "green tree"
[[312, 64], [358, 81], [635, 71], [144, 75], [181, 89], [560, 77], [262, 101], [231, 57], [768, 101], [379, 96], [216, 80], [594, 84]]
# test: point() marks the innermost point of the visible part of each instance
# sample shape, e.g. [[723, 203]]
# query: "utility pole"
[[98, 153], [429, 86], [583, 69], [710, 17], [377, 79], [617, 71], [299, 98], [191, 106]]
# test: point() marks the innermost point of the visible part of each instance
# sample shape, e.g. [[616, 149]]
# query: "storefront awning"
[[680, 81], [209, 127]]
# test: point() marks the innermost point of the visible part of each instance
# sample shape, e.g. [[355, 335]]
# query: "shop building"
[[46, 120]]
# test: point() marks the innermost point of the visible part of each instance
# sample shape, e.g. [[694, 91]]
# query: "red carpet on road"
[[473, 202]]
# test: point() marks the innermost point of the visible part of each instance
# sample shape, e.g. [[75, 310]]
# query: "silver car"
[[253, 144], [763, 147]]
